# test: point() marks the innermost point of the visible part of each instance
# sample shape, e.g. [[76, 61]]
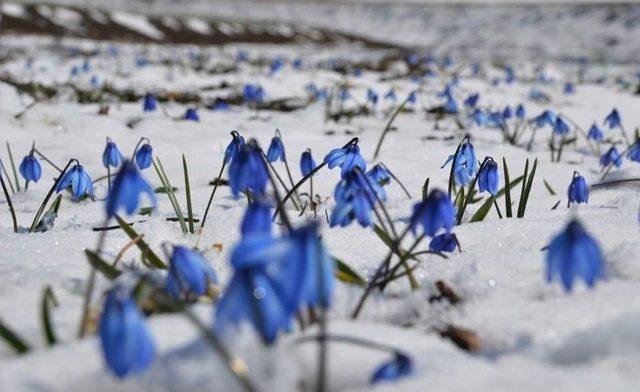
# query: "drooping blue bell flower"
[[189, 273], [390, 95], [560, 127], [472, 100], [488, 178], [465, 165], [111, 155], [574, 254], [569, 88], [612, 156], [507, 113], [233, 147], [276, 150], [79, 181], [495, 120], [126, 190], [634, 152], [94, 81], [400, 366], [257, 218], [253, 93], [255, 293], [30, 168], [127, 344], [144, 156], [578, 191], [354, 200], [451, 106], [520, 112], [297, 63], [276, 65], [595, 133], [478, 117], [307, 163], [191, 114], [613, 119], [247, 171], [75, 70], [221, 106], [347, 158], [434, 213], [150, 103], [372, 97], [545, 118], [344, 95], [445, 242], [412, 97], [379, 174]]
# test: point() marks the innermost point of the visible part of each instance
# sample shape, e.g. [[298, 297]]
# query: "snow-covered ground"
[[532, 335]]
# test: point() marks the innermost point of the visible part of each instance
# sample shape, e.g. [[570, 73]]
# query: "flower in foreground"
[[488, 179], [189, 273], [445, 242], [79, 181], [434, 213], [560, 127], [144, 156], [30, 168], [233, 147], [578, 191], [276, 150], [347, 158], [111, 155], [354, 200], [465, 165], [399, 366], [126, 190], [574, 254], [127, 345], [247, 171], [257, 218]]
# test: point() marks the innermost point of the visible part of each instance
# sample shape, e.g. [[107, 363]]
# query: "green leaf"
[[529, 185], [425, 189], [162, 189], [551, 191], [346, 274], [13, 167], [170, 194], [459, 199], [187, 186], [15, 341], [149, 254], [48, 300], [507, 189], [523, 190], [100, 265], [383, 236], [483, 210]]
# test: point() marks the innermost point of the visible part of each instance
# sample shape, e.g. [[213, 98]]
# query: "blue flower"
[[507, 113], [578, 191], [445, 242], [307, 164], [354, 200], [560, 127], [372, 96], [30, 168], [347, 158], [220, 106], [634, 152], [297, 63], [450, 106], [595, 133], [276, 150], [253, 93], [189, 273], [412, 98], [573, 254], [111, 155], [233, 147], [399, 366], [568, 88], [545, 118], [520, 112], [390, 95], [434, 213], [472, 100], [465, 165], [255, 292], [478, 117], [78, 180], [144, 156], [345, 95], [127, 345], [191, 114], [257, 218], [276, 65], [509, 76], [247, 171], [611, 156], [150, 103], [379, 174], [613, 119], [126, 190], [488, 178]]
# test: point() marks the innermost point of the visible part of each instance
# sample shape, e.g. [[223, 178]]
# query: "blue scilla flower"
[[253, 93], [379, 174], [488, 178], [372, 96], [344, 95], [495, 120], [445, 242], [276, 65], [111, 155], [189, 273], [75, 70], [257, 218], [574, 254], [242, 56], [390, 95], [30, 168], [354, 200], [255, 293], [578, 191], [612, 156], [126, 190], [412, 97], [150, 103], [465, 165], [191, 114], [595, 133], [545, 118], [221, 106], [478, 117], [507, 113], [347, 158], [569, 88], [307, 163], [297, 63], [127, 344], [451, 106], [613, 119], [400, 366], [434, 213], [634, 152], [247, 171], [560, 127], [509, 76], [144, 156], [472, 100], [276, 150], [79, 181], [520, 112], [233, 147]]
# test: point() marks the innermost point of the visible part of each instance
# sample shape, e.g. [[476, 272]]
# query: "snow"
[[533, 335]]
